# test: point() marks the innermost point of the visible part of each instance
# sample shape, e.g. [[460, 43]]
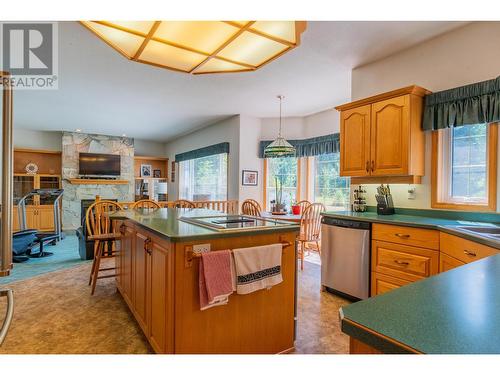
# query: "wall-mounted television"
[[91, 164]]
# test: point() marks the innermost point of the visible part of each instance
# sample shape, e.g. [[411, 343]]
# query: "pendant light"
[[280, 147]]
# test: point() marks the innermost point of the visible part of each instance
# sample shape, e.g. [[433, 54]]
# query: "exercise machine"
[[42, 238]]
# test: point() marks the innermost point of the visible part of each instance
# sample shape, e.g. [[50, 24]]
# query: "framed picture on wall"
[[249, 178], [145, 170], [156, 173]]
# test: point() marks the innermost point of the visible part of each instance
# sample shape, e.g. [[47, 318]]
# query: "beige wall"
[[465, 55]]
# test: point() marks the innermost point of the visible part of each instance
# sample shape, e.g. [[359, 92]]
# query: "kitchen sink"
[[481, 230]]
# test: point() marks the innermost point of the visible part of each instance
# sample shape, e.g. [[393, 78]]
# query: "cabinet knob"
[[401, 235], [373, 165], [367, 166], [147, 245]]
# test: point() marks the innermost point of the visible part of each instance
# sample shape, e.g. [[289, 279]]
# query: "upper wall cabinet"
[[381, 137]]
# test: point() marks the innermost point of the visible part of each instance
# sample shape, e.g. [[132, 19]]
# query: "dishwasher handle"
[[8, 314], [353, 224]]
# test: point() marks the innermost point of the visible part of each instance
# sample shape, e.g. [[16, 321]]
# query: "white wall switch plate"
[[412, 193], [201, 248]]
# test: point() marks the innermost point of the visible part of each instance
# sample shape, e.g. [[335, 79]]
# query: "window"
[[285, 170], [327, 186], [464, 167], [204, 179]]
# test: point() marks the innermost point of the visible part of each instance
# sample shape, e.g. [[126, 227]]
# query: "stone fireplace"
[[72, 145]]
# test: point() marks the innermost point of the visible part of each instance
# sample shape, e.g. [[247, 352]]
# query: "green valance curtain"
[[326, 144], [219, 148], [467, 105]]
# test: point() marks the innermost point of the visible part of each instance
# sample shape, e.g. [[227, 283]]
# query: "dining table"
[[285, 217]]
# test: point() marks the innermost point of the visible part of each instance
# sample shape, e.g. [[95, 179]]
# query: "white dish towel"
[[257, 267]]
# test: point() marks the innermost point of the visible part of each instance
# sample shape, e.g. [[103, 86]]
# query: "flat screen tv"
[[99, 164]]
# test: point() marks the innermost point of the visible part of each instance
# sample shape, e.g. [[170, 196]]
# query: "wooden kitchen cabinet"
[[145, 281], [355, 141], [464, 250], [384, 283], [447, 262], [381, 139], [140, 279]]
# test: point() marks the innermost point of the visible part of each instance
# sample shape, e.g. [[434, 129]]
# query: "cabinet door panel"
[[32, 221], [383, 283], [15, 219], [447, 262], [159, 294], [125, 263], [390, 132], [355, 141], [141, 281], [45, 218]]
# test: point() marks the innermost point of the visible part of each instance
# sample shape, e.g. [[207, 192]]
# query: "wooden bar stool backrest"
[[250, 207], [146, 203], [303, 205], [183, 203], [310, 222], [97, 221]]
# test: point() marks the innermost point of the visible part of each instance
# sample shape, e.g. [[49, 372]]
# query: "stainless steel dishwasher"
[[345, 257]]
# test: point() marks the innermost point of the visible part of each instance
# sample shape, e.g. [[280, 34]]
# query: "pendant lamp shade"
[[280, 147]]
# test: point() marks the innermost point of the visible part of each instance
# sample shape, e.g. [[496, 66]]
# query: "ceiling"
[[102, 92]]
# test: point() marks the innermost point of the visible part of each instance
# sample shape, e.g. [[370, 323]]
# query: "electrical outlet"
[[201, 248], [412, 192]]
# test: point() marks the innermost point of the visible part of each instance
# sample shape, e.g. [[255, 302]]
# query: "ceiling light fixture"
[[280, 147], [200, 47], [78, 130]]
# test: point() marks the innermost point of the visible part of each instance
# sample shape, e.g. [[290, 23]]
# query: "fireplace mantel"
[[85, 181]]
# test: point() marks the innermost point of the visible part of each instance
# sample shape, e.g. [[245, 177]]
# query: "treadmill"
[[43, 238]]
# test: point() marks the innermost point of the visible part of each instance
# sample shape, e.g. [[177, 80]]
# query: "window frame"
[[438, 137], [264, 182], [311, 181], [179, 179]]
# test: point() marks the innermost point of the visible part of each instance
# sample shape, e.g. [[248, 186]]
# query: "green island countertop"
[[445, 221], [455, 312], [166, 223]]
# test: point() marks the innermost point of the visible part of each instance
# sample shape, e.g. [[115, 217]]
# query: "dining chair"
[[303, 205], [251, 207], [184, 203], [100, 229], [146, 203], [310, 230]]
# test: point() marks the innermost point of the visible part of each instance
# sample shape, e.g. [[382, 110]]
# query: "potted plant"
[[295, 208], [279, 205]]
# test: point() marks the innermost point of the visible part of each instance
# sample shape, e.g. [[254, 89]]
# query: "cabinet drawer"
[[426, 238], [383, 283], [406, 262], [447, 262], [464, 250]]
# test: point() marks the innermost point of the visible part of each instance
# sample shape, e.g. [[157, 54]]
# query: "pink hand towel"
[[216, 278]]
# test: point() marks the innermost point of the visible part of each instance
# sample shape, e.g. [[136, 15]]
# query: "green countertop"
[[454, 312], [165, 222], [448, 225]]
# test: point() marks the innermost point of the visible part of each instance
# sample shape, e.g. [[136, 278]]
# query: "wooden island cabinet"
[[158, 279]]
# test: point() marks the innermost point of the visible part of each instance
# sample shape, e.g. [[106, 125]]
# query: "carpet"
[[65, 256]]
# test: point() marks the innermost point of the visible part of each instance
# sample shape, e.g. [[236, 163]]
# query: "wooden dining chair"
[[100, 229], [251, 207], [184, 203], [310, 230], [146, 203], [303, 205]]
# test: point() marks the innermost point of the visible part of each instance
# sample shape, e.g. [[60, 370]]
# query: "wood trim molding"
[[362, 180], [83, 181], [437, 137], [38, 151], [414, 90]]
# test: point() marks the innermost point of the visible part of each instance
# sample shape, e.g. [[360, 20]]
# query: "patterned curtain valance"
[[219, 148], [326, 144], [467, 105]]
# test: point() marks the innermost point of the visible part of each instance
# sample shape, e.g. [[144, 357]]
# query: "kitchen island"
[[456, 312], [157, 275]]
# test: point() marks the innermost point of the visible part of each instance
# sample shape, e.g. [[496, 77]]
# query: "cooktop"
[[235, 222]]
